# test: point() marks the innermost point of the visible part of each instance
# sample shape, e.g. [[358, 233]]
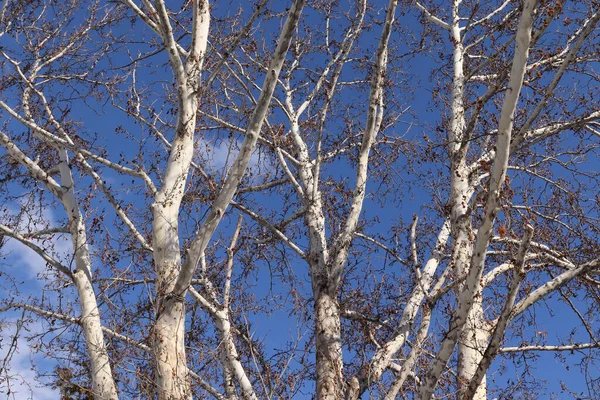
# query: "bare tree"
[[200, 181]]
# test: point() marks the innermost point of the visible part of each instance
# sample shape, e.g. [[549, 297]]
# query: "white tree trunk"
[[232, 359], [472, 345], [173, 278], [472, 283], [330, 378], [171, 379], [104, 385], [473, 340], [102, 379]]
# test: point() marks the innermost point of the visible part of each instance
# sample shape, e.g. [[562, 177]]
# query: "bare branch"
[[241, 163], [271, 227], [504, 318], [432, 17], [5, 230], [567, 347]]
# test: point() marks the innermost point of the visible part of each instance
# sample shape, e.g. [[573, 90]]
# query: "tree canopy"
[[299, 199]]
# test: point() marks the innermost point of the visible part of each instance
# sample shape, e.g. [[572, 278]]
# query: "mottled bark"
[[172, 378], [102, 379], [471, 346], [330, 379], [496, 182]]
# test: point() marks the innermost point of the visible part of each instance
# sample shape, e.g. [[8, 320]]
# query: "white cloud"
[[18, 381], [22, 257], [220, 156]]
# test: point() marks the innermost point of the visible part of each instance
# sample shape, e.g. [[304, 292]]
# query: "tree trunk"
[[330, 380], [171, 378], [171, 370], [472, 345], [172, 381], [104, 386], [102, 379]]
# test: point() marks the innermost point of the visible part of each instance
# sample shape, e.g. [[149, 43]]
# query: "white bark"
[[240, 165], [489, 16], [472, 284], [329, 368], [474, 336], [231, 356], [172, 379], [330, 380], [173, 280], [587, 28], [233, 370], [471, 345], [66, 143], [329, 347], [566, 347], [410, 362], [383, 357], [32, 167], [325, 272], [325, 254], [478, 376], [373, 124], [528, 137], [554, 284], [104, 386], [6, 231], [436, 20]]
